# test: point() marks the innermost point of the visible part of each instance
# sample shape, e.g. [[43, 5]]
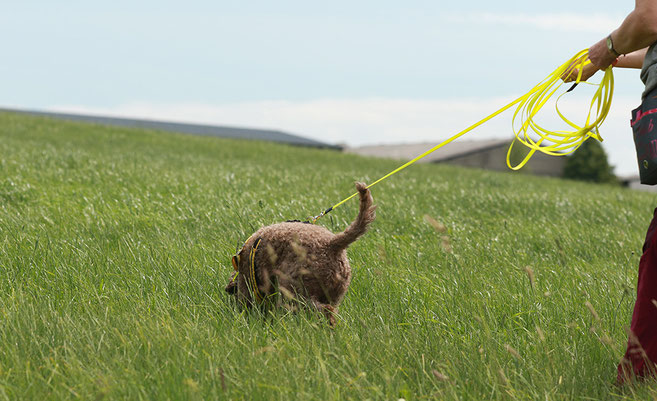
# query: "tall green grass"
[[115, 246]]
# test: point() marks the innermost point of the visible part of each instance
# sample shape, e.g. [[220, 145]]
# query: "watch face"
[[610, 47]]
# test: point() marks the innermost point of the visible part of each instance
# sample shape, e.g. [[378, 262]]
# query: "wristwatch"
[[610, 47]]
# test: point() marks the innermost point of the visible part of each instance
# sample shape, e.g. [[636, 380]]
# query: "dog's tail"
[[359, 226]]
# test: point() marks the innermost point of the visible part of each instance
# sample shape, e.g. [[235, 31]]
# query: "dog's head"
[[231, 287]]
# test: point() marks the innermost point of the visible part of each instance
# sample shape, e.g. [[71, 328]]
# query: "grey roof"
[[450, 151], [195, 129]]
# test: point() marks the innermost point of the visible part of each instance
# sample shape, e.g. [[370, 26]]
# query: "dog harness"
[[251, 277]]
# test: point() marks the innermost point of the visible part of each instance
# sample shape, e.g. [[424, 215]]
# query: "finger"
[[570, 76]]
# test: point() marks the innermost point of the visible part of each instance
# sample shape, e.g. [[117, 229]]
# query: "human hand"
[[571, 73], [599, 58]]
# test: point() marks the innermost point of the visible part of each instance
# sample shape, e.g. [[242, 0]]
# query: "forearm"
[[638, 30], [632, 60]]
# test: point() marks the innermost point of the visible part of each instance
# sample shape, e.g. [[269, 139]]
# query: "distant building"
[[484, 154]]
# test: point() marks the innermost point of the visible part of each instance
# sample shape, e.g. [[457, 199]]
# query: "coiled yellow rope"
[[530, 133], [559, 143]]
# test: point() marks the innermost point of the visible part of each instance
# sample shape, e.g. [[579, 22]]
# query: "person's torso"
[[649, 70]]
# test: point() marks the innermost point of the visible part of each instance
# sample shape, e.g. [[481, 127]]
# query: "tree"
[[589, 163]]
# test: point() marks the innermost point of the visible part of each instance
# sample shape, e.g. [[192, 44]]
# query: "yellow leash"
[[555, 143]]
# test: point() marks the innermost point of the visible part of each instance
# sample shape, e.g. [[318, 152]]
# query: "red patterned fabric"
[[640, 359]]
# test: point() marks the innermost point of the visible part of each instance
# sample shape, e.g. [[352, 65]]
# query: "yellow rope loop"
[[559, 143]]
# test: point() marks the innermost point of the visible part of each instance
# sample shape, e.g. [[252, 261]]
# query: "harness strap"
[[251, 277]]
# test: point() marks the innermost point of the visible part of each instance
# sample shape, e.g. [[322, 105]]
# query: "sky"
[[346, 72]]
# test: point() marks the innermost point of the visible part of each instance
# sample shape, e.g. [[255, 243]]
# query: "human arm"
[[638, 30], [632, 60], [631, 38]]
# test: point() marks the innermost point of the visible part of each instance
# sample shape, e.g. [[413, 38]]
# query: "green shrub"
[[589, 163]]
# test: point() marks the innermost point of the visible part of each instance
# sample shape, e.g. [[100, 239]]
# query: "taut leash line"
[[561, 143]]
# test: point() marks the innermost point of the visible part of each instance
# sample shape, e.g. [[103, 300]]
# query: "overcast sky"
[[354, 72]]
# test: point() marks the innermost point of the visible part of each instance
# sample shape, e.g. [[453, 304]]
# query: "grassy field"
[[115, 247]]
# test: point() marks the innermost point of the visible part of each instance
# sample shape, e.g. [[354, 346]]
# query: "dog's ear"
[[231, 288]]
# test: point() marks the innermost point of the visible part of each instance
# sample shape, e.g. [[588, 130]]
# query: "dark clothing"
[[640, 359], [649, 70], [641, 356], [644, 122]]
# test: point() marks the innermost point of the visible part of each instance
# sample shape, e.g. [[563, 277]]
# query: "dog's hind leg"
[[329, 311]]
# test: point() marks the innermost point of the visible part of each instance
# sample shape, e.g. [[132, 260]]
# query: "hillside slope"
[[116, 246]]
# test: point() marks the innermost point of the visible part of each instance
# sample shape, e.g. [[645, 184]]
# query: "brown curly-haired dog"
[[299, 260]]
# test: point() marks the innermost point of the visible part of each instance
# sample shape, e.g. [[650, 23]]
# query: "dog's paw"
[[330, 313]]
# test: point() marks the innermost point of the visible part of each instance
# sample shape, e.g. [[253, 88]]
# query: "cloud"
[[564, 22], [381, 120]]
